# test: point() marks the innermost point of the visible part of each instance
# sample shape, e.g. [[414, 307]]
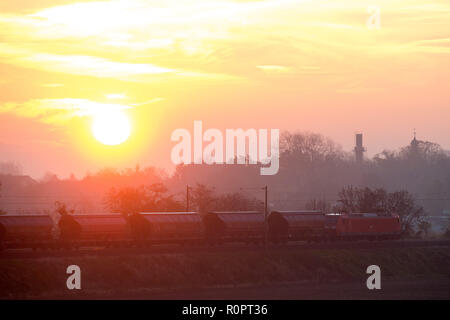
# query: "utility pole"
[[187, 198], [266, 229]]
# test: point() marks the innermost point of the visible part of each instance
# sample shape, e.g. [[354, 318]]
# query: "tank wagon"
[[93, 229], [167, 227], [235, 226], [31, 231], [296, 225]]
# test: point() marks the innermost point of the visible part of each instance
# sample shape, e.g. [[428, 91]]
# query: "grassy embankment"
[[46, 277]]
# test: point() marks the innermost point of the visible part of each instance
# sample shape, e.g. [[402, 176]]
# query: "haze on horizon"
[[294, 65]]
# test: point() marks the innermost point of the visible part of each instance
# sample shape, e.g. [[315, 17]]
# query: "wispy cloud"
[[274, 68], [92, 66], [147, 102], [431, 45], [58, 111], [163, 43]]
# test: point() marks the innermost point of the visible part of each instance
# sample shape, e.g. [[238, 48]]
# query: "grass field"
[[113, 275]]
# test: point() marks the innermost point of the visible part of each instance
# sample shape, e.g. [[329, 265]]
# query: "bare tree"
[[403, 204], [379, 200]]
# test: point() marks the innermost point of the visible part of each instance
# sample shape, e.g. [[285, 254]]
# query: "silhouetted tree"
[[424, 227], [203, 198], [403, 204], [61, 208], [319, 204], [126, 200], [238, 202], [310, 148], [348, 197], [366, 200], [131, 200]]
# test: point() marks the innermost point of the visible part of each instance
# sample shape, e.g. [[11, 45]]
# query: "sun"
[[111, 128]]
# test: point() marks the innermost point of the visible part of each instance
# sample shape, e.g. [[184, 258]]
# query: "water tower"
[[359, 149]]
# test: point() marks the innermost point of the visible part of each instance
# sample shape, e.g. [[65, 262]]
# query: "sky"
[[314, 66]]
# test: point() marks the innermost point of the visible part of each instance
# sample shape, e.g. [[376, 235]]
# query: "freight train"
[[211, 228]]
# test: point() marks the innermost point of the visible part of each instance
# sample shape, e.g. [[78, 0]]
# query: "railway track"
[[226, 248]]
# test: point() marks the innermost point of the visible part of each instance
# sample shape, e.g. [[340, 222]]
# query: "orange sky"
[[295, 65]]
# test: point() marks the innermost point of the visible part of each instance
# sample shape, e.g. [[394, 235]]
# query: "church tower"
[[414, 147]]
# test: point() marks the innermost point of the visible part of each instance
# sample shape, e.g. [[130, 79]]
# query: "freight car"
[[167, 227], [286, 226], [32, 231], [235, 226], [77, 230]]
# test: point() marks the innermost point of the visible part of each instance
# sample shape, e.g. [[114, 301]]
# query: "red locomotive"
[[371, 226]]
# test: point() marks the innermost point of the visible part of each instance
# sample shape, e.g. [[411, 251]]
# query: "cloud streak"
[[59, 111]]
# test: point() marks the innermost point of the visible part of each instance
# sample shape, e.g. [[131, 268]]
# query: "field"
[[289, 273]]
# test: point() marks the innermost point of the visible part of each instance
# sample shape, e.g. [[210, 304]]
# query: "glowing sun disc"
[[111, 128]]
